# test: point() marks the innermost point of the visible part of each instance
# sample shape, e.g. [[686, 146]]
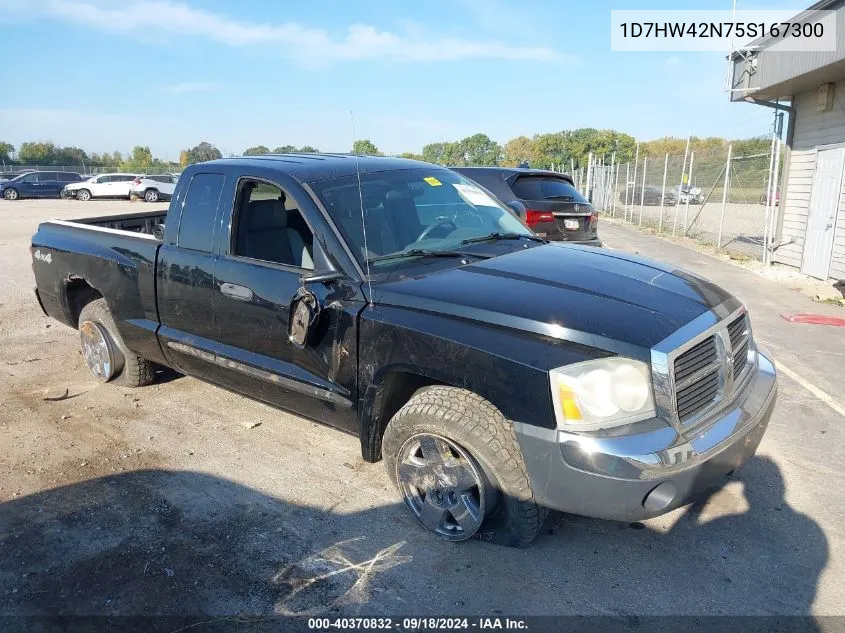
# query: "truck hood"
[[605, 299]]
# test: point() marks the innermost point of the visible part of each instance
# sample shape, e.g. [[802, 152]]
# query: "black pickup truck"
[[497, 375]]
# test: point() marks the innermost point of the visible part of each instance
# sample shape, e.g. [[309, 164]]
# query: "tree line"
[[559, 150]]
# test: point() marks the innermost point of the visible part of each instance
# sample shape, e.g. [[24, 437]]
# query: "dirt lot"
[[169, 500]]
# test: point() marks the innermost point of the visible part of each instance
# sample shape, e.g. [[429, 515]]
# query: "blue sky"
[[106, 75]]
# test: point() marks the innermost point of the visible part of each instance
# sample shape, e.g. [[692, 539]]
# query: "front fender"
[[507, 367]]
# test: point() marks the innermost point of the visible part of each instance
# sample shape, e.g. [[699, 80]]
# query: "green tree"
[[140, 161], [203, 152], [517, 150], [70, 156], [550, 149], [365, 147], [184, 158], [436, 153], [37, 153], [411, 156], [258, 150], [480, 150], [307, 149], [285, 149], [6, 151]]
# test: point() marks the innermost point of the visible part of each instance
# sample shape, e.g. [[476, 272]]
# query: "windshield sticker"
[[433, 181], [475, 196]]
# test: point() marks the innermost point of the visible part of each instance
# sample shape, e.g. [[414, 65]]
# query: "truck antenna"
[[363, 219]]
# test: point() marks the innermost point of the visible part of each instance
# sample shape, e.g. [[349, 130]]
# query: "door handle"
[[234, 291]]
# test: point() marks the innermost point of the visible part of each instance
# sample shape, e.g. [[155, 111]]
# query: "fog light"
[[660, 497]]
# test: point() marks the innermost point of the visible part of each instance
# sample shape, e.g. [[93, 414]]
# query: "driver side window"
[[269, 227]]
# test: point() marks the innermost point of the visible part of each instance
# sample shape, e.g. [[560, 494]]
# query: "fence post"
[[663, 193], [627, 190], [725, 194], [770, 234], [769, 196], [608, 181], [681, 186], [689, 189], [589, 176], [642, 191], [613, 193], [634, 197]]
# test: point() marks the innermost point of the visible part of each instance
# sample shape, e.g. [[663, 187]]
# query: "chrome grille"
[[740, 336], [697, 380]]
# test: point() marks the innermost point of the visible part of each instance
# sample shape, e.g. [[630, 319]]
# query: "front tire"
[[456, 461], [151, 195], [11, 194], [104, 352], [84, 195]]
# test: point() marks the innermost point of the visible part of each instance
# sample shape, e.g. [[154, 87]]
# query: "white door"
[[100, 186], [824, 205]]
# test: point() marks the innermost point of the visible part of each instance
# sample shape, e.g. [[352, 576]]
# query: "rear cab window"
[[196, 223], [546, 188]]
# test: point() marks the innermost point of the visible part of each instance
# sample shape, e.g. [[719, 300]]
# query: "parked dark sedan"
[[553, 208], [649, 195], [38, 184]]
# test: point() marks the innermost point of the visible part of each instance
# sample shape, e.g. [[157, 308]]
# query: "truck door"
[[270, 247], [185, 276]]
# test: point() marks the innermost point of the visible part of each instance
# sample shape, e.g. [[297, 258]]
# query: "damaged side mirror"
[[304, 310]]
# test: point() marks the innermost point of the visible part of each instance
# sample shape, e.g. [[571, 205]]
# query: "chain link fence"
[[84, 170], [715, 196]]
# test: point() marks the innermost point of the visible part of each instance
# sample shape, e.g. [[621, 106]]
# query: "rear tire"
[[151, 195], [11, 194], [83, 195], [476, 440], [103, 346]]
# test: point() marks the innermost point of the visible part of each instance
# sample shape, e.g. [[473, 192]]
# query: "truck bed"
[[113, 257], [141, 222]]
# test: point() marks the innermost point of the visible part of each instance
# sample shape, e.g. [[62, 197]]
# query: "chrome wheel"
[[83, 194], [151, 195], [442, 486], [10, 194], [98, 351]]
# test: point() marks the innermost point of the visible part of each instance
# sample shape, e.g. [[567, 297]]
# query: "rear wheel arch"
[[78, 294]]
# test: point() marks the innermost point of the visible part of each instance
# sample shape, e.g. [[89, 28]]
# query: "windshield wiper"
[[561, 197], [503, 236], [424, 252]]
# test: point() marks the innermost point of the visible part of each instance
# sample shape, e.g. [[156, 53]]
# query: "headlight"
[[602, 393]]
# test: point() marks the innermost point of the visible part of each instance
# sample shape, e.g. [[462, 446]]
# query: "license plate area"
[[571, 224]]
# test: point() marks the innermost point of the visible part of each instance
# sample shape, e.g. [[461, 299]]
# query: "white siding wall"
[[812, 128]]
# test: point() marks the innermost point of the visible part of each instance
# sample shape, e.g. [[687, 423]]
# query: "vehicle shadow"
[[193, 545], [725, 554]]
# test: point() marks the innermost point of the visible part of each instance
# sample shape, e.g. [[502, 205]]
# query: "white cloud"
[[191, 86], [306, 44]]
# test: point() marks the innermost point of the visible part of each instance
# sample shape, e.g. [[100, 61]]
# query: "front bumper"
[[638, 476]]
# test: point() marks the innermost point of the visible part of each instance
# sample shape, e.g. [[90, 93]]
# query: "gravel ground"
[[171, 500]]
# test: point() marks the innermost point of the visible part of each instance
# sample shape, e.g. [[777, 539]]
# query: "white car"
[[101, 186], [154, 188]]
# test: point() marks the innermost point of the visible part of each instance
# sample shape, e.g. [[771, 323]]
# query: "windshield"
[[425, 209]]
